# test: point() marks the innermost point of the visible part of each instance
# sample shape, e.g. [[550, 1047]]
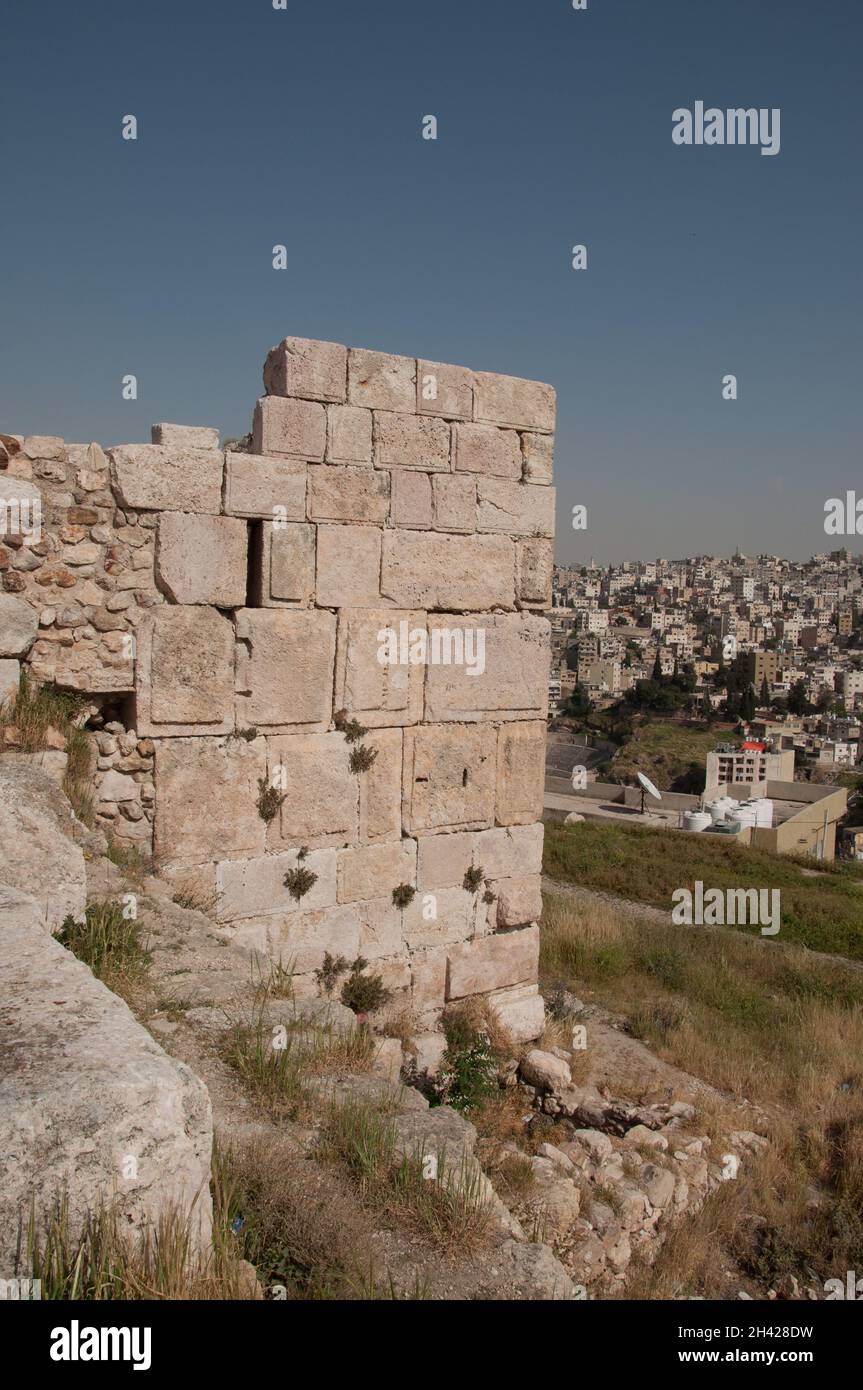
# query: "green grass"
[[824, 913], [110, 944], [666, 749]]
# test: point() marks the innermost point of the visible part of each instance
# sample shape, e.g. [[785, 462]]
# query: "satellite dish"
[[647, 786]]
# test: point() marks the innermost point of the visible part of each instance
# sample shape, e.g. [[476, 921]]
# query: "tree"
[[797, 701], [656, 674], [764, 697]]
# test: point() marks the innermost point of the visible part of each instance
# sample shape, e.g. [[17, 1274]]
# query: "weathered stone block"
[[184, 672], [284, 574], [305, 367], [493, 962], [519, 900], [534, 564], [256, 486], [504, 851], [349, 566], [510, 400], [148, 477], [520, 1010], [202, 559], [10, 674], [302, 938], [443, 860], [429, 570], [439, 916], [488, 666], [285, 664], [256, 887], [428, 979], [184, 436], [449, 777], [283, 425], [375, 680], [207, 792], [349, 434], [454, 502], [19, 623], [321, 805], [38, 852], [411, 441], [444, 390], [381, 788], [348, 494], [373, 871], [381, 380], [380, 927], [411, 499], [520, 773], [538, 452], [487, 450], [518, 509]]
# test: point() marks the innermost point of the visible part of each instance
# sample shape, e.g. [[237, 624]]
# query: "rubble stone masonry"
[[227, 610]]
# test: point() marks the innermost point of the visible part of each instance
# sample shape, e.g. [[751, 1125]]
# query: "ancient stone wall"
[[339, 621]]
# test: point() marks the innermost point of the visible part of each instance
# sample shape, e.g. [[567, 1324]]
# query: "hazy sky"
[[303, 127]]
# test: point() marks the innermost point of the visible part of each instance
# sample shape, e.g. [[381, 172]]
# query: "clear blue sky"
[[302, 126]]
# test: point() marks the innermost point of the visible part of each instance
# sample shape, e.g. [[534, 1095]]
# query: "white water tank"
[[744, 816], [764, 813], [697, 820]]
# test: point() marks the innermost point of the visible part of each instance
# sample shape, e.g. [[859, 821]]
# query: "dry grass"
[[112, 945], [276, 1062], [449, 1210], [771, 1025], [37, 711]]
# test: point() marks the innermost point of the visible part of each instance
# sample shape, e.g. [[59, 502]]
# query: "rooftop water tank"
[[696, 820]]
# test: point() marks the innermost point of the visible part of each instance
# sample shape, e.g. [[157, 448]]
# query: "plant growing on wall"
[[472, 879], [351, 728], [299, 880], [362, 758], [328, 975], [363, 993], [403, 895], [269, 800]]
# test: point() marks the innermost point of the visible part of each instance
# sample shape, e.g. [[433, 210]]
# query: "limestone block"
[[256, 887], [348, 494], [349, 434], [429, 570], [373, 871], [184, 673], [10, 675], [493, 962], [411, 499], [444, 390], [19, 623], [428, 983], [207, 792], [282, 425], [510, 400], [84, 1086], [381, 381], [411, 441], [449, 777], [519, 900], [443, 860], [520, 773], [184, 436], [256, 486], [381, 788], [454, 497], [538, 453], [439, 916], [488, 666], [321, 805], [38, 853], [305, 367], [283, 574], [149, 477], [380, 926], [487, 450], [285, 664], [506, 851], [349, 566], [518, 509], [376, 682], [521, 1011], [534, 564], [202, 559], [428, 1052], [301, 939], [44, 446], [118, 786]]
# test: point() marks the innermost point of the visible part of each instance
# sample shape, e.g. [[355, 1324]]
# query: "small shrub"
[[404, 895], [248, 735], [472, 879], [328, 975], [269, 800], [362, 758], [299, 881], [363, 993], [351, 728], [468, 1069], [488, 896], [109, 943]]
